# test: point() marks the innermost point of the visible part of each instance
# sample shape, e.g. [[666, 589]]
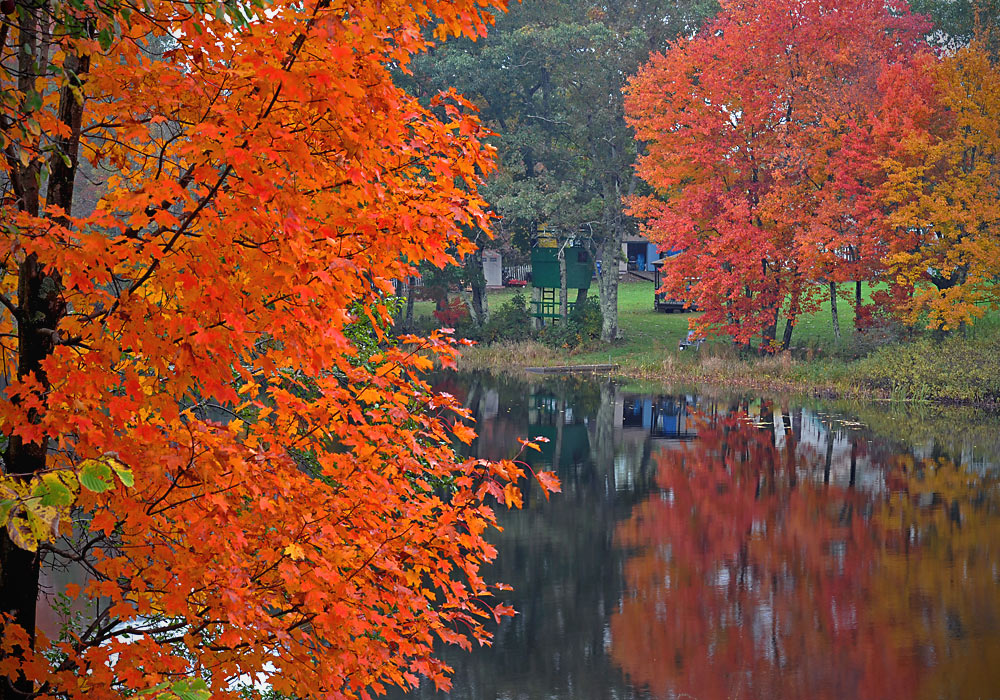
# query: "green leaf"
[[32, 101], [53, 491], [95, 476], [125, 474], [155, 689], [191, 689], [104, 39], [5, 507]]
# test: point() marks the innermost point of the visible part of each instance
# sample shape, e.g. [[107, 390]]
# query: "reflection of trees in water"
[[792, 555], [761, 574], [938, 584], [559, 556], [966, 434]]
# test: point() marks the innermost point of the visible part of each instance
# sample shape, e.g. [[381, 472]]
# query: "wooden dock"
[[567, 369]]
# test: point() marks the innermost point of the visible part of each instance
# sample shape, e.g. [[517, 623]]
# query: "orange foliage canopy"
[[759, 153], [297, 508]]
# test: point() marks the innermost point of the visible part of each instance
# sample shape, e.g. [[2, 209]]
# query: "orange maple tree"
[[760, 156], [204, 207]]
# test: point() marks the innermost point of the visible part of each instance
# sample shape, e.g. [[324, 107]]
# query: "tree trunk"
[[477, 282], [609, 250], [770, 331], [411, 285], [835, 319], [560, 427], [786, 338], [829, 455], [40, 308], [793, 312], [604, 432], [563, 301], [854, 462], [791, 445], [480, 305], [536, 300], [607, 295]]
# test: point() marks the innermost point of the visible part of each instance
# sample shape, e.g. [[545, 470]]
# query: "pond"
[[713, 546]]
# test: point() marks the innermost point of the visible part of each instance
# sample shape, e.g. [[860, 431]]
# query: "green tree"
[[549, 80]]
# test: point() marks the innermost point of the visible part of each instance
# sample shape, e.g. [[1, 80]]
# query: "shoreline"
[[954, 372]]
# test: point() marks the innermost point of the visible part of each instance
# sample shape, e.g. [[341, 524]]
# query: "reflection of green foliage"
[[951, 428], [580, 391]]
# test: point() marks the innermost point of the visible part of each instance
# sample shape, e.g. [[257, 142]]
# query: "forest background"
[[208, 425], [874, 204]]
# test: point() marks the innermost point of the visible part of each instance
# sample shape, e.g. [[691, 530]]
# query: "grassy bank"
[[963, 370]]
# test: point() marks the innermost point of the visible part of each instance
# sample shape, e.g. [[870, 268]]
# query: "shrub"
[[452, 314], [955, 369], [511, 321], [581, 328]]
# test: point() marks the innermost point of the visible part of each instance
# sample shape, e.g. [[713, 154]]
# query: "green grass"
[[649, 335], [923, 369]]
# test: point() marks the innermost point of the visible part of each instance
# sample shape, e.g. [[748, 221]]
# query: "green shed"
[[545, 268], [545, 278]]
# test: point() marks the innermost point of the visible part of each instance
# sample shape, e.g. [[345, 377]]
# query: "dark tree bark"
[[411, 285], [40, 308], [827, 466], [786, 338], [478, 304]]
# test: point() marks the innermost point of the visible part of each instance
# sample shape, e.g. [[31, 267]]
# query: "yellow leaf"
[[295, 551]]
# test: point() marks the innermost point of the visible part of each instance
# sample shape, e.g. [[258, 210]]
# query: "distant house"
[[638, 254]]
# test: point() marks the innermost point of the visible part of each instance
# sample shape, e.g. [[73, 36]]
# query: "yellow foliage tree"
[[943, 186]]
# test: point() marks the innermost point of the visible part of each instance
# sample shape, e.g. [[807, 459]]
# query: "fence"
[[516, 272]]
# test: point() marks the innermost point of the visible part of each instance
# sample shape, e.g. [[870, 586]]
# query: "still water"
[[736, 547]]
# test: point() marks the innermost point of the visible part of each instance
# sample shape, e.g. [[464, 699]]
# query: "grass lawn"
[[649, 335], [963, 368]]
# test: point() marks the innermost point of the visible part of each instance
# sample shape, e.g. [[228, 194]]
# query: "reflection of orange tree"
[[750, 583], [938, 586]]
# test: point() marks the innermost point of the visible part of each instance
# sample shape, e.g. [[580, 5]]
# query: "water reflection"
[[715, 548]]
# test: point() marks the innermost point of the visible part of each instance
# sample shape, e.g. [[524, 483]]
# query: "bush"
[[581, 328], [452, 314], [878, 334], [509, 322], [955, 369]]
